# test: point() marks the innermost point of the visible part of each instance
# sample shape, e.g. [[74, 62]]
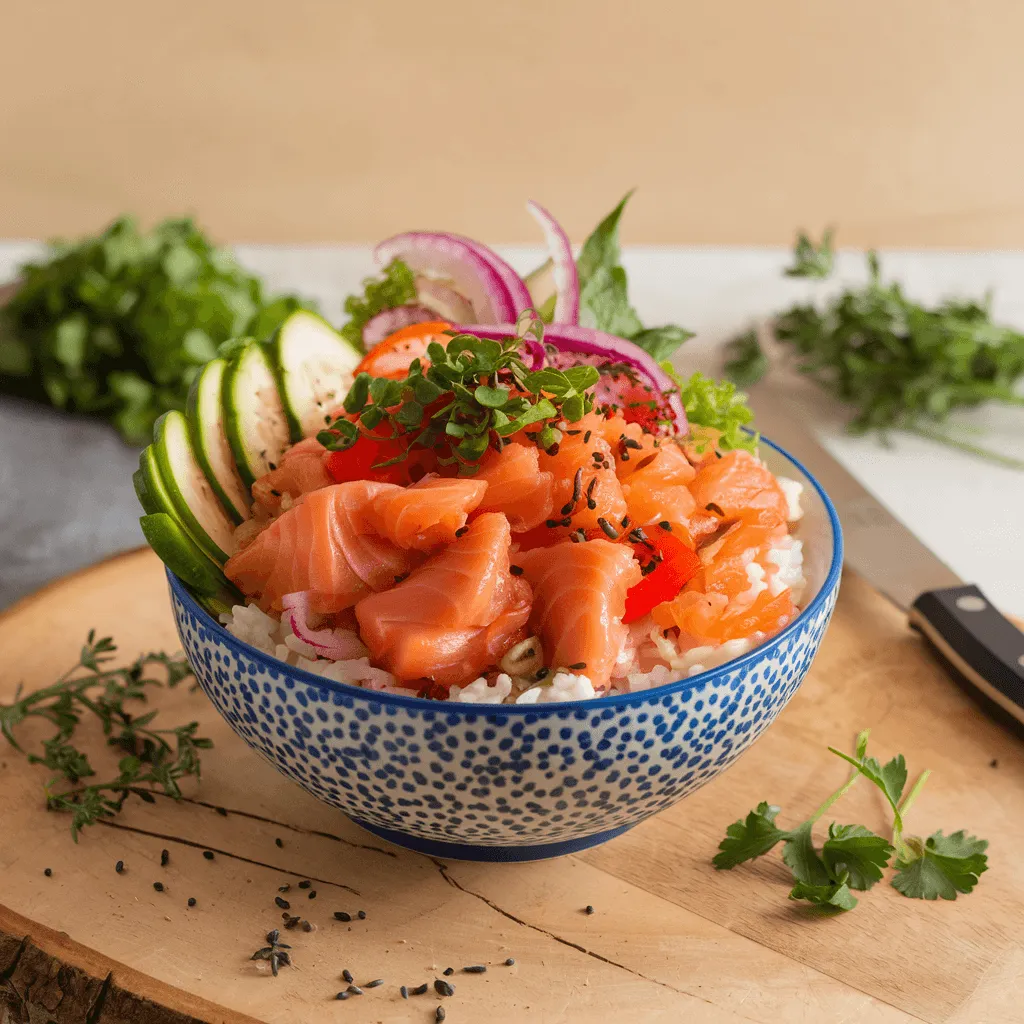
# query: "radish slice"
[[586, 345], [336, 644], [567, 282], [472, 269], [382, 325]]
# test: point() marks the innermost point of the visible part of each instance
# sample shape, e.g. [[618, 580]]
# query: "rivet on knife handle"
[[983, 646]]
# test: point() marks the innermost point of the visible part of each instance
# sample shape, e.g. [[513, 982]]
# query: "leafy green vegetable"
[[154, 760], [852, 857], [810, 260], [395, 287], [717, 407], [898, 364], [941, 866], [472, 389], [118, 325]]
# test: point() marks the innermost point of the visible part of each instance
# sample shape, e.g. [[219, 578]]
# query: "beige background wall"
[[901, 121]]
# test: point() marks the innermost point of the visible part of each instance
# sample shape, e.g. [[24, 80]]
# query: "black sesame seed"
[[279, 843], [283, 888], [306, 926], [462, 531], [191, 901], [550, 523], [665, 525], [342, 995], [553, 450], [354, 990], [578, 666], [374, 983], [165, 856], [282, 903], [628, 442], [516, 570], [625, 522], [574, 538], [449, 971], [208, 854], [48, 872], [475, 969], [276, 494], [542, 673], [439, 1015], [443, 988], [404, 992], [347, 976], [510, 962], [361, 915], [291, 920], [610, 532], [159, 886], [588, 909], [305, 885], [586, 437], [419, 990], [567, 521], [713, 507], [312, 894], [272, 936], [340, 915], [597, 456], [119, 867]]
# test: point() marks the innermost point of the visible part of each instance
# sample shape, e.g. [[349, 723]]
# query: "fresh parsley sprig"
[[852, 857], [898, 365], [154, 760], [473, 393]]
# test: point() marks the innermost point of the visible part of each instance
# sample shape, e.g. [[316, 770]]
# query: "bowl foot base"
[[505, 854]]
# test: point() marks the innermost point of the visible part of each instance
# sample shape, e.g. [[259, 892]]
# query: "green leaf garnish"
[[746, 362], [859, 853], [810, 260], [716, 406], [835, 895], [749, 837], [395, 287], [941, 866]]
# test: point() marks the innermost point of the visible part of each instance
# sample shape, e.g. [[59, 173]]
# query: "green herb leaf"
[[854, 852], [491, 398], [810, 260], [890, 778], [718, 407], [749, 837], [340, 436], [802, 859], [661, 342], [943, 866], [746, 362], [395, 287], [833, 895]]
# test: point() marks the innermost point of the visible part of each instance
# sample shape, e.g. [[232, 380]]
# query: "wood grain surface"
[[670, 940], [897, 120]]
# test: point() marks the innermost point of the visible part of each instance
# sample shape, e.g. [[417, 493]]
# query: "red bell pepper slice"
[[678, 565]]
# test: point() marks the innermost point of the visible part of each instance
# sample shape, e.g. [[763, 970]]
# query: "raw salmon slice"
[[658, 490], [579, 597], [454, 616], [709, 619], [426, 514], [301, 470], [516, 486], [739, 484], [630, 443], [322, 545]]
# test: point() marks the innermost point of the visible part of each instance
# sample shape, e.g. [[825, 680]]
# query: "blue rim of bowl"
[[612, 700]]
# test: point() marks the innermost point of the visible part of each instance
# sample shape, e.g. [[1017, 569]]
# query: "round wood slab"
[[670, 938]]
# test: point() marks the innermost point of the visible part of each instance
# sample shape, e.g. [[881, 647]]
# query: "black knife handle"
[[983, 646]]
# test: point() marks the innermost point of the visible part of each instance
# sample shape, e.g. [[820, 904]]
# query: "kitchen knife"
[[958, 620]]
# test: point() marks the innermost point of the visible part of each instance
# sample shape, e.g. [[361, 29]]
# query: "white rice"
[[647, 659]]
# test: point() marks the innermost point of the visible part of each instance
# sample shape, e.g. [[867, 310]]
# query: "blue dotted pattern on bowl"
[[486, 776]]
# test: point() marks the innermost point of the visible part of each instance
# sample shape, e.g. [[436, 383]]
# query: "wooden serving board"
[[670, 938]]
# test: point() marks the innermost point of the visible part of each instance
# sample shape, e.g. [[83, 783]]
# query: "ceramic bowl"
[[513, 783]]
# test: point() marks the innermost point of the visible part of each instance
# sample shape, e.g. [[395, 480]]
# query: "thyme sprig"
[[154, 760]]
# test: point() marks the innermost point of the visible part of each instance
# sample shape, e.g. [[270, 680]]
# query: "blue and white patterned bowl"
[[513, 783]]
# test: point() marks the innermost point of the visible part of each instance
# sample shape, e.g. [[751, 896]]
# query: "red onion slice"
[[388, 321], [470, 267], [596, 347], [336, 644], [567, 282], [444, 300]]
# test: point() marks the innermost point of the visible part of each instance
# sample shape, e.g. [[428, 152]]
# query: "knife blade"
[[956, 618]]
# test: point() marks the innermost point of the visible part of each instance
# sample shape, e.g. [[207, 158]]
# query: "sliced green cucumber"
[[315, 367], [149, 487], [254, 416], [194, 503], [210, 441], [181, 554]]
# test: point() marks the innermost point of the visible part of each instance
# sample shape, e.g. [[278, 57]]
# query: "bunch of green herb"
[[154, 759], [395, 287], [898, 364], [118, 325], [474, 393], [854, 858]]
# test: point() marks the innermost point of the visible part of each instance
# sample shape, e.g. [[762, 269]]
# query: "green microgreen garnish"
[[854, 858], [898, 365], [469, 396], [154, 760]]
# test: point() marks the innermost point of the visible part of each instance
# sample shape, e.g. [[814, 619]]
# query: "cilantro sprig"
[[852, 858], [898, 365], [472, 394], [119, 324], [153, 759]]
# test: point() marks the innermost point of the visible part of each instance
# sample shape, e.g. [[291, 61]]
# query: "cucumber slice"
[[149, 487], [193, 501], [254, 415], [181, 554], [210, 441], [315, 367]]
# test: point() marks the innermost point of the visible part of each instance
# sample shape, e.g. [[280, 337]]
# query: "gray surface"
[[66, 496]]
